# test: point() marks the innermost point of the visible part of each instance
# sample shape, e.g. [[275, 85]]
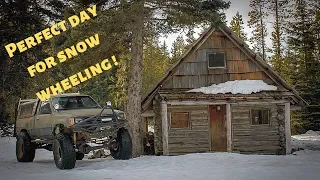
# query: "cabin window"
[[260, 116], [179, 120], [216, 60]]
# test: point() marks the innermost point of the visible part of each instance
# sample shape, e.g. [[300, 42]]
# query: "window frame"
[[260, 109], [220, 67], [170, 127], [40, 110]]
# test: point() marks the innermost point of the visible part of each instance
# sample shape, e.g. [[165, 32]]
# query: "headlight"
[[71, 121]]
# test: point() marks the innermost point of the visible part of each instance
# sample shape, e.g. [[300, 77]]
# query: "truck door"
[[43, 119]]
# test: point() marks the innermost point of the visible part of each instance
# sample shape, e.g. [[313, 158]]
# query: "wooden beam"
[[148, 113], [229, 130], [164, 115], [217, 102], [287, 128], [177, 102]]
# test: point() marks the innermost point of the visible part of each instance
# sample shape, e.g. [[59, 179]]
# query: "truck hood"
[[83, 112]]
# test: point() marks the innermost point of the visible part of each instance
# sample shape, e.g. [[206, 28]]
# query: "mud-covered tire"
[[79, 156], [25, 150], [63, 152], [124, 149]]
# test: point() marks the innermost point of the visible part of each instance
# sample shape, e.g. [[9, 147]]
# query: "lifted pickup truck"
[[68, 124]]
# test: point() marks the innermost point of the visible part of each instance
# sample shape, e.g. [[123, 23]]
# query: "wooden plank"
[[190, 139], [168, 84], [287, 127], [176, 108], [165, 126], [199, 117], [236, 53], [188, 150], [203, 127], [229, 126], [217, 78], [200, 123], [199, 112]]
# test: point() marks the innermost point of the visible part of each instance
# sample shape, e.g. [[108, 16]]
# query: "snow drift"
[[236, 87]]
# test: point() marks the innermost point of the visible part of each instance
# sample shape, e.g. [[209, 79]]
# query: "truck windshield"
[[74, 102]]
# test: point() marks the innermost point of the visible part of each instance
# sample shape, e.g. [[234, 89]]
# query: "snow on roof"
[[236, 87]]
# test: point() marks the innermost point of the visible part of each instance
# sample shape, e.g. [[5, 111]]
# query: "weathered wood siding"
[[255, 138], [193, 139], [193, 72]]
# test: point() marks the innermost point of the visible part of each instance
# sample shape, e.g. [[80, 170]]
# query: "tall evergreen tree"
[[177, 49], [302, 35], [257, 22], [155, 62], [279, 10], [236, 25], [20, 19]]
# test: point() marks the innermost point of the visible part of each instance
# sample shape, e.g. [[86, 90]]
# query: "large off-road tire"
[[79, 156], [25, 150], [63, 152], [124, 146]]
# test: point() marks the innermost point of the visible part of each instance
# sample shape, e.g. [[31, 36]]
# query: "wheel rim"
[[115, 145]]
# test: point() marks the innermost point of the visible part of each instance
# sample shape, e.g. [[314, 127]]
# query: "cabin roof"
[[147, 99]]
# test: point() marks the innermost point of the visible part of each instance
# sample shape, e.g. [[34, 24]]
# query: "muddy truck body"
[[68, 125]]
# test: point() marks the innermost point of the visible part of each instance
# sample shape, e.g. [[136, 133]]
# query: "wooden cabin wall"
[[158, 146], [195, 138], [193, 72], [257, 138]]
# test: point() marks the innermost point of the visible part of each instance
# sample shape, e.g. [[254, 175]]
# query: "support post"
[[164, 115], [229, 129], [287, 128]]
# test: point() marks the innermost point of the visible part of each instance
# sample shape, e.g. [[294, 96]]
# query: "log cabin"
[[193, 122]]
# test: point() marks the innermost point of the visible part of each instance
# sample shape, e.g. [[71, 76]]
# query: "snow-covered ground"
[[221, 166], [310, 140]]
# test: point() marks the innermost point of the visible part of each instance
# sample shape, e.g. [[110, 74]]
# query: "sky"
[[236, 5]]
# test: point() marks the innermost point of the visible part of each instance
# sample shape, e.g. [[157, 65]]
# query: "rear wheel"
[[63, 152], [123, 148], [25, 150]]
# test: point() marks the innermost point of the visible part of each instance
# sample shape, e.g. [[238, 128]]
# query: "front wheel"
[[63, 152], [25, 150], [123, 148]]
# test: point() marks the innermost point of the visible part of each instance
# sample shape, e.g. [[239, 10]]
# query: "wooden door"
[[218, 128]]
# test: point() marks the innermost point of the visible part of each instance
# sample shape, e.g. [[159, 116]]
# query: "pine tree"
[[155, 60], [257, 22], [20, 19], [236, 25], [177, 49], [278, 9], [302, 35]]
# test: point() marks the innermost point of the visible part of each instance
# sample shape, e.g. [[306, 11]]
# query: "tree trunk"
[[262, 32], [135, 80], [278, 48]]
